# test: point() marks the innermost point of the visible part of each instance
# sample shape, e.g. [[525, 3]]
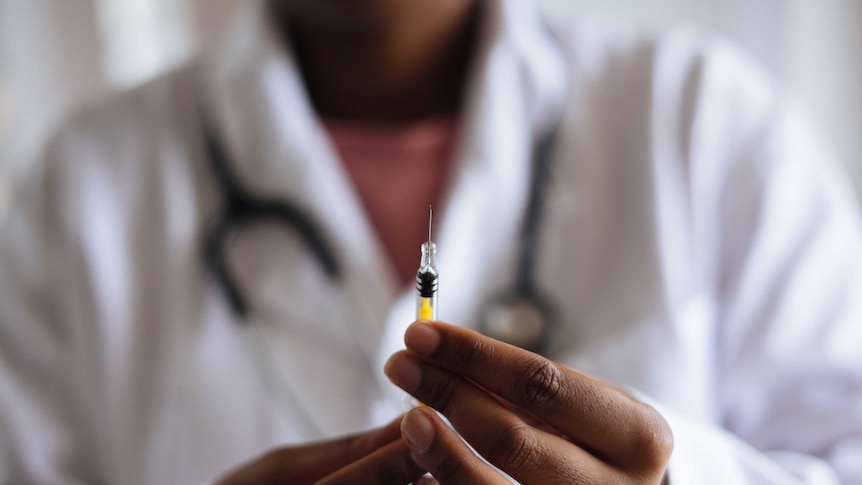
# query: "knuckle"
[[474, 354], [390, 473], [347, 444], [542, 383], [442, 395], [450, 469], [518, 447]]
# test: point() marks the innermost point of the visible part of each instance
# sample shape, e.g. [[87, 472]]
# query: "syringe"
[[427, 278]]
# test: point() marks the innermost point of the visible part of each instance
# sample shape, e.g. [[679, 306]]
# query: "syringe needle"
[[430, 217]]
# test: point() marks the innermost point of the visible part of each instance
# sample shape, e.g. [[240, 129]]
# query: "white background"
[[57, 54]]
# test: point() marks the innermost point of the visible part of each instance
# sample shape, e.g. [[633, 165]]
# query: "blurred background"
[[58, 54]]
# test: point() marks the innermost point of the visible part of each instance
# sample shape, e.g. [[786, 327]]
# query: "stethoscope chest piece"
[[518, 318]]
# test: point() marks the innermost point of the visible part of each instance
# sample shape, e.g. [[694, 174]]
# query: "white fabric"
[[697, 243]]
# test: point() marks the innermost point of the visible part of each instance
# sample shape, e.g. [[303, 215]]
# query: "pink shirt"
[[397, 173]]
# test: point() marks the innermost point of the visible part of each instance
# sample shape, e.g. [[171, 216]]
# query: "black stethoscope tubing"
[[240, 208]]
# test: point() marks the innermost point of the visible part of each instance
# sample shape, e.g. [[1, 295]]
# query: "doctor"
[[703, 257]]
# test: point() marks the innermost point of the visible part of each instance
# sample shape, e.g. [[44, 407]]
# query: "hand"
[[377, 456], [535, 420]]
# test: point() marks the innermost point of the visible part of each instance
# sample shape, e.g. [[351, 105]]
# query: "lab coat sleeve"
[[45, 431], [787, 253]]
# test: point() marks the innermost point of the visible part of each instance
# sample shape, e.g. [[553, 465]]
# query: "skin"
[[387, 62], [534, 419], [376, 456], [382, 62]]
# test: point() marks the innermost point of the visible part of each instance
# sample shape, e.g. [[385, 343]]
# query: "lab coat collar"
[[257, 98]]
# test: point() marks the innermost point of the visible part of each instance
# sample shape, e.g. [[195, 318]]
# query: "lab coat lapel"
[[515, 93], [279, 149]]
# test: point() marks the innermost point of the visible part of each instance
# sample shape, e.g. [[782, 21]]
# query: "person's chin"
[[353, 11]]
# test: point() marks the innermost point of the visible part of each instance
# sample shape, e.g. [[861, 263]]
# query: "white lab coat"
[[697, 243]]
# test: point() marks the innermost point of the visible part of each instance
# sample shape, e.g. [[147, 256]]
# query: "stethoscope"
[[520, 315]]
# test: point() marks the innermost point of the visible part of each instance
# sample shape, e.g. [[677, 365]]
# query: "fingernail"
[[422, 338], [403, 371], [418, 431]]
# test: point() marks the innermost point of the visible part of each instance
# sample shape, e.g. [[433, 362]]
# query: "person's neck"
[[407, 70]]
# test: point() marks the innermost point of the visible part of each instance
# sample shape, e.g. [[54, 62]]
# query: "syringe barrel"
[[426, 307]]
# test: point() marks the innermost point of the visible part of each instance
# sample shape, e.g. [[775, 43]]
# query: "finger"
[[595, 415], [528, 454], [391, 465], [426, 480], [439, 450], [308, 463]]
